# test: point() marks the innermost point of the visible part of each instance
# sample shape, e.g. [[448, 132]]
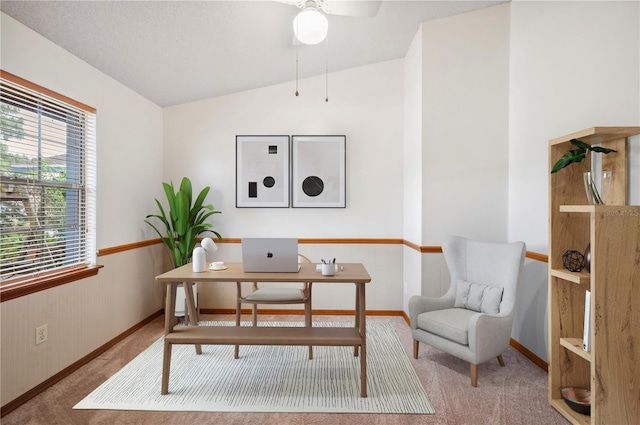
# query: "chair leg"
[[308, 316], [254, 307], [474, 374], [308, 324], [415, 348], [501, 360]]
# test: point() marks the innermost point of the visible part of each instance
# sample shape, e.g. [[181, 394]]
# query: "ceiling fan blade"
[[288, 2], [361, 8]]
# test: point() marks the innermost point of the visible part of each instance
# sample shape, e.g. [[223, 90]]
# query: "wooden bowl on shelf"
[[578, 399]]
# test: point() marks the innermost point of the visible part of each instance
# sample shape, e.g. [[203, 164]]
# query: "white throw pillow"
[[478, 297]]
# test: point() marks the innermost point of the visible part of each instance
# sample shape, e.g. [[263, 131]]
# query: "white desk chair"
[[269, 294]]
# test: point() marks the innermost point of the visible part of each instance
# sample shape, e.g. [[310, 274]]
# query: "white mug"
[[328, 269]]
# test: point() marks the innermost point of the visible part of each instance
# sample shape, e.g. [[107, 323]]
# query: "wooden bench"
[[245, 335]]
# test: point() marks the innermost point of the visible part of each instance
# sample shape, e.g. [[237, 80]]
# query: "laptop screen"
[[276, 255]]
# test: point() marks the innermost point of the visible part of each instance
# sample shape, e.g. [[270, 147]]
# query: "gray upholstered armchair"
[[472, 321]]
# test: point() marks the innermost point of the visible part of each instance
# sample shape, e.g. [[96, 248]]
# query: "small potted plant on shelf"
[[184, 222], [577, 155]]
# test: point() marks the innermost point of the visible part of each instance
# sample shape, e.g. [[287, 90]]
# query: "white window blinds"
[[47, 181]]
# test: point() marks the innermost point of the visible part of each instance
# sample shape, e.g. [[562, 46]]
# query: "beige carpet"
[[515, 394], [269, 379]]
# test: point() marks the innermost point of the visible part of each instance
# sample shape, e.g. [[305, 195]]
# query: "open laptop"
[[276, 255]]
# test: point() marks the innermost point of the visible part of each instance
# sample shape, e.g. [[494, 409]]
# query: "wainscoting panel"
[[81, 316]]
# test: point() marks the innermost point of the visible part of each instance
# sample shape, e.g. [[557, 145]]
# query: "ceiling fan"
[[310, 26]]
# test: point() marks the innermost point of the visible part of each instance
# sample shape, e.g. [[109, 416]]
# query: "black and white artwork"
[[318, 171], [262, 171]]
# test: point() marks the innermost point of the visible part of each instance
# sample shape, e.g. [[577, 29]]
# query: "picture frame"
[[318, 178], [262, 171]]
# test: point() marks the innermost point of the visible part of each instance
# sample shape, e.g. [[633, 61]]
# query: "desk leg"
[[191, 308], [363, 333], [166, 366], [308, 315], [357, 316], [170, 308]]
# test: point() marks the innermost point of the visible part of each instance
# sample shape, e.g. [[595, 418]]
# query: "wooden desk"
[[231, 335]]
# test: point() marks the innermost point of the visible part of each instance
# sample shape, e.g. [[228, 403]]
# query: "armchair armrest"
[[489, 334], [419, 304]]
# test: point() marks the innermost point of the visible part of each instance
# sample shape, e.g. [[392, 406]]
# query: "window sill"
[[40, 283]]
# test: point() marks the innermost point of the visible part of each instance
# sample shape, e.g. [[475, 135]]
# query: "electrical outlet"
[[42, 333]]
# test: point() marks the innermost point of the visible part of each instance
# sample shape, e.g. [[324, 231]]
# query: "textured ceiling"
[[173, 52]]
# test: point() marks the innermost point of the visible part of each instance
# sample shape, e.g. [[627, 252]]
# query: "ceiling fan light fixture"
[[310, 26]]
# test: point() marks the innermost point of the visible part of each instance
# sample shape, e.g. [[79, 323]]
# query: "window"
[[47, 182]]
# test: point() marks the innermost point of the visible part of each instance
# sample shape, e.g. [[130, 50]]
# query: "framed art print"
[[262, 171], [318, 177]]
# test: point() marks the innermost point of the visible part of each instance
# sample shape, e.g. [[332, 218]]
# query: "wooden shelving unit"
[[611, 369]]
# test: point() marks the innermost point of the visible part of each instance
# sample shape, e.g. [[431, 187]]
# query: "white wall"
[[412, 164], [462, 71], [573, 65], [465, 125], [365, 104], [84, 315], [413, 150], [581, 71]]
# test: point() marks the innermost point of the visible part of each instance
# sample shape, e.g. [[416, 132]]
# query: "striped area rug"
[[269, 379]]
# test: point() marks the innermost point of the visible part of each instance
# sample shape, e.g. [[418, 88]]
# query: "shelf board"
[[596, 135], [615, 209], [575, 346], [581, 277], [571, 415], [578, 208]]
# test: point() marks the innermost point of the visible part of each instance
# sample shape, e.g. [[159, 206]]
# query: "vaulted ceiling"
[[173, 52]]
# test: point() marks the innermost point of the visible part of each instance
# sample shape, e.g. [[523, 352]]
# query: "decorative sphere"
[[573, 261]]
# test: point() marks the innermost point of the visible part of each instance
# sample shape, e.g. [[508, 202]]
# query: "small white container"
[[328, 269], [199, 260]]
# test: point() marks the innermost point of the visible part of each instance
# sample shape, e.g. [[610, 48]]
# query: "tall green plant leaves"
[[182, 213], [197, 207], [185, 187], [185, 222], [171, 199]]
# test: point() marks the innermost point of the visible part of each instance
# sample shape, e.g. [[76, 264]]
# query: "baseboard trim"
[[530, 355], [20, 400], [406, 318], [301, 312]]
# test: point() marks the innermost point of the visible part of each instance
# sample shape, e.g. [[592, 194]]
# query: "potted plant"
[[577, 155], [184, 222]]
